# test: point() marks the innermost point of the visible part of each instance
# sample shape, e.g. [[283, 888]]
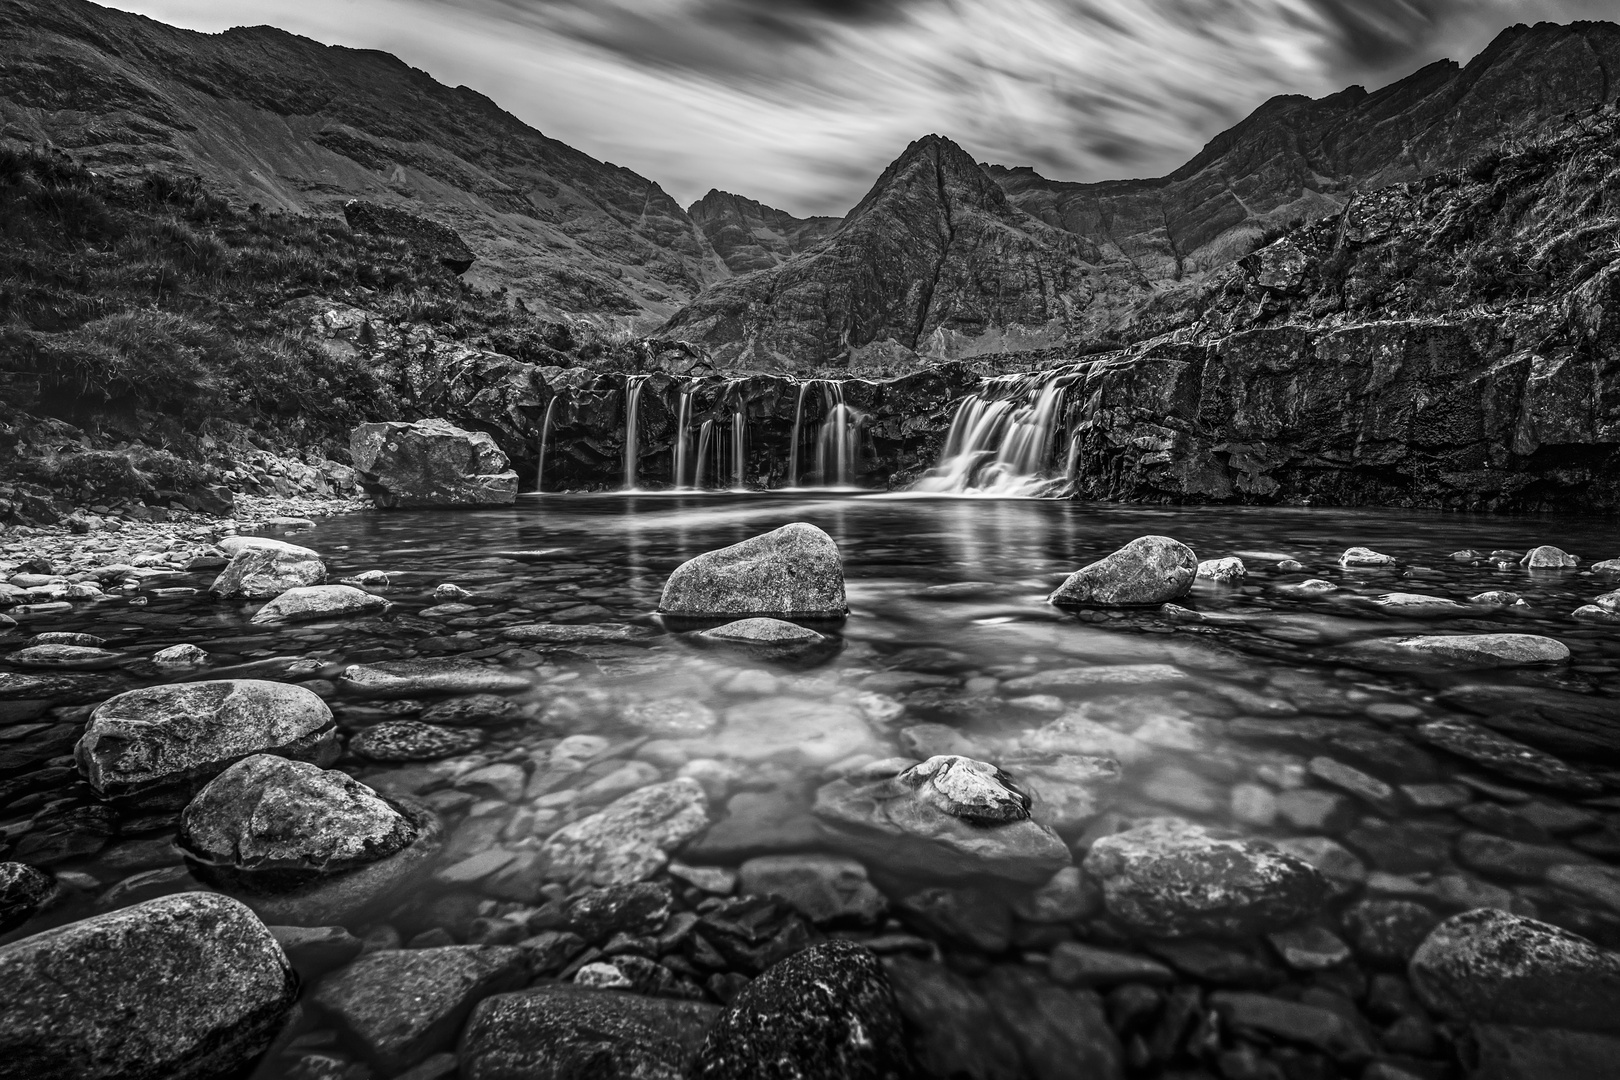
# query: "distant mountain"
[[934, 251], [749, 235], [268, 117], [937, 262]]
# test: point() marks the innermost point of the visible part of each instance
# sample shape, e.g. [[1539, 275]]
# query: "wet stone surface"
[[1228, 835]]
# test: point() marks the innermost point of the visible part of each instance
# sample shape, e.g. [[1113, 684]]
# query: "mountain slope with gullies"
[[748, 235], [267, 117], [896, 287], [933, 257]]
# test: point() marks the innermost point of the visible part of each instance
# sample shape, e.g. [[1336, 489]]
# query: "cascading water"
[[632, 432], [1001, 439], [798, 427], [835, 450], [545, 434], [705, 434], [739, 448], [683, 438]]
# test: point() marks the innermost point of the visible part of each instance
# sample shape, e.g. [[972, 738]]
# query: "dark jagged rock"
[[749, 236], [431, 463], [426, 236], [186, 987], [827, 1013], [24, 890]]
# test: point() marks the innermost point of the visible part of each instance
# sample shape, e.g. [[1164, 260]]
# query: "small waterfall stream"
[[794, 453], [632, 428], [835, 450], [739, 448], [1001, 440], [545, 434], [705, 435], [683, 438]]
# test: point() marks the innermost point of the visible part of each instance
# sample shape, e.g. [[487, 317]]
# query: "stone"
[[1363, 558], [1087, 678], [24, 890], [1076, 964], [945, 818], [1485, 650], [826, 889], [1066, 790], [1594, 613], [1076, 733], [315, 950], [480, 710], [1547, 557], [1314, 585], [1309, 948], [1148, 571], [562, 634], [413, 740], [431, 464], [967, 915], [1500, 857], [1060, 1032], [792, 730], [1417, 604], [1502, 755], [267, 811], [66, 657], [188, 986], [1169, 878], [400, 1005], [570, 1033], [630, 839], [313, 602], [1222, 571], [1067, 897], [1598, 883], [266, 568], [1327, 1030], [769, 639], [180, 656], [1497, 598], [181, 735], [1490, 966], [1344, 871], [426, 238], [637, 909], [794, 572], [1388, 931], [670, 717], [826, 1013], [409, 678], [958, 1033], [1370, 789]]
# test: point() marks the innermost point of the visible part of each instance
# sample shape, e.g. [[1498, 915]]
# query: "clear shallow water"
[[915, 654]]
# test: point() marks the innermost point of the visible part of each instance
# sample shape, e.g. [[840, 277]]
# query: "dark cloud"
[[1382, 33]]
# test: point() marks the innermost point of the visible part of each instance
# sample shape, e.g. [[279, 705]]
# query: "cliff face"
[[748, 235], [932, 255], [266, 117]]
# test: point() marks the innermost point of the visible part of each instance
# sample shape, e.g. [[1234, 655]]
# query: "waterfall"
[[1001, 438], [798, 426], [835, 450], [739, 447], [545, 433], [705, 433], [683, 438], [632, 434]]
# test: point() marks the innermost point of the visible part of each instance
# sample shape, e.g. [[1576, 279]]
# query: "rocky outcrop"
[[261, 568], [1148, 571], [749, 236], [430, 464], [426, 237], [188, 986], [570, 1031]]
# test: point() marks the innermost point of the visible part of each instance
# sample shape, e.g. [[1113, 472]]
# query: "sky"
[[801, 103]]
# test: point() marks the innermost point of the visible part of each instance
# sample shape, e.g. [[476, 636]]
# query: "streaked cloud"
[[800, 103]]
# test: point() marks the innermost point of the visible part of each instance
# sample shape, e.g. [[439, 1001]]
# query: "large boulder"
[[181, 735], [574, 1033], [1148, 571], [1169, 878], [189, 987], [312, 602], [948, 817], [428, 238], [261, 568], [400, 1005], [1541, 1002], [24, 890], [794, 572], [431, 463], [301, 844], [827, 1012]]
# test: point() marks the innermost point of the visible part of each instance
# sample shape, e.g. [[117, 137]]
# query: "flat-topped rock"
[[183, 734], [1484, 650], [1365, 558], [413, 740], [1222, 571], [408, 678], [791, 572], [262, 568], [1506, 756], [1547, 557], [630, 839], [311, 602], [1170, 878], [1147, 572], [188, 987], [66, 657]]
